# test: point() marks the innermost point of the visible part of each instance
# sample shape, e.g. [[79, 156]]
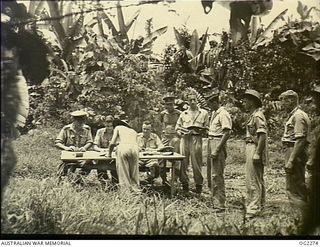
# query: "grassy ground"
[[34, 203]]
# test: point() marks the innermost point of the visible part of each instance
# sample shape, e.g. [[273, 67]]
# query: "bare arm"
[[113, 141], [261, 143]]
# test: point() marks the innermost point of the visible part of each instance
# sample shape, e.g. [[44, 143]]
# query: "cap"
[[79, 114], [316, 89], [213, 96], [253, 93], [289, 94], [169, 97], [109, 118]]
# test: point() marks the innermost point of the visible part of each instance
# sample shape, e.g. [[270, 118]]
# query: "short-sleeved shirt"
[[68, 136], [169, 118], [220, 120], [200, 118], [103, 138], [256, 124], [153, 141], [297, 126]]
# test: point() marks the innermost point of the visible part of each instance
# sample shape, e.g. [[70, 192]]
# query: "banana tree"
[[192, 49], [119, 40]]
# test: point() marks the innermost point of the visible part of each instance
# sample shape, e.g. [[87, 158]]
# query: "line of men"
[[185, 131]]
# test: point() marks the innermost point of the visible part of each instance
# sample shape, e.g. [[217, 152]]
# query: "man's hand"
[[288, 167], [215, 153], [256, 159], [82, 149], [71, 148]]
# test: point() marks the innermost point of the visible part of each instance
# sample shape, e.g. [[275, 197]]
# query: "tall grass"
[[35, 204]]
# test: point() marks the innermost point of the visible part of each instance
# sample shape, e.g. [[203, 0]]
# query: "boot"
[[185, 187], [198, 189]]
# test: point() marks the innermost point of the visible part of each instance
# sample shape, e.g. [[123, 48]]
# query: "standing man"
[[256, 144], [169, 118], [219, 132], [75, 137], [190, 125], [100, 144], [295, 141], [312, 216], [148, 141], [127, 154]]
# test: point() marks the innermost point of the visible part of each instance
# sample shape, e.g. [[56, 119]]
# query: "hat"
[[316, 89], [169, 97], [289, 94], [79, 114], [213, 96], [253, 93], [116, 122]]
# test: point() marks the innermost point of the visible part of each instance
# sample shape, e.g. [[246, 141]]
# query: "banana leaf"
[[132, 20], [266, 36], [154, 35], [179, 39], [195, 43], [58, 28]]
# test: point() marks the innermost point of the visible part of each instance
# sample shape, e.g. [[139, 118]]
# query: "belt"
[[214, 137], [249, 142], [288, 144]]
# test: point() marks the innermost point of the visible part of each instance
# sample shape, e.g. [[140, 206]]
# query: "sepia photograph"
[[160, 119]]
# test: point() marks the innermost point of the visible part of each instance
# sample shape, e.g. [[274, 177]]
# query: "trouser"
[[103, 174], [191, 148], [254, 181], [128, 165], [152, 166], [295, 180], [215, 172], [71, 166], [174, 142]]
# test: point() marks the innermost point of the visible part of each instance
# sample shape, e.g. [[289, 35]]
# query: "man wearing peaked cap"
[[256, 154], [295, 142], [169, 117], [75, 137]]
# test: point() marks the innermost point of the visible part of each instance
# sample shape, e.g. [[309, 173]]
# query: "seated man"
[[148, 141], [75, 137], [101, 144]]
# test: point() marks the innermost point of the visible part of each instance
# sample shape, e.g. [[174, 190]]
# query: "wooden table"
[[68, 156]]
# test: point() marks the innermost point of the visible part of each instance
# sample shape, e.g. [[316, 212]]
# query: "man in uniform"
[[125, 138], [191, 125], [312, 216], [148, 141], [256, 146], [219, 132], [75, 137], [295, 141], [100, 144], [169, 118]]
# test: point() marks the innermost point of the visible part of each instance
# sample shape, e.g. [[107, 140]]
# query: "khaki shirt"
[[169, 118], [200, 119], [153, 141], [256, 124], [68, 136], [102, 138], [220, 120], [297, 126]]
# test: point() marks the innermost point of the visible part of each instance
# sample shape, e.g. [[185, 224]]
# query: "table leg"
[[172, 178]]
